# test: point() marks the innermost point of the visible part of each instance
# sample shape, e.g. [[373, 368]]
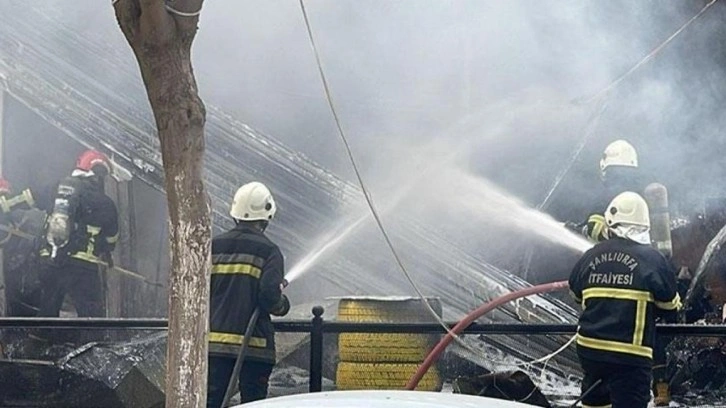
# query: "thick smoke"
[[499, 90]]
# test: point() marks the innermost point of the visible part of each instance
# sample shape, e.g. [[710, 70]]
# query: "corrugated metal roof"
[[101, 102]]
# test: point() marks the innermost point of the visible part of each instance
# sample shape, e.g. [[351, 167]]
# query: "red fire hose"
[[466, 321]]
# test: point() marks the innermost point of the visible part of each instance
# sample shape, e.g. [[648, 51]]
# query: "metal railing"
[[317, 327]]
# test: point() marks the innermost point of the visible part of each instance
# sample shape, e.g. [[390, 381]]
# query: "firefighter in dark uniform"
[[82, 231], [622, 284], [618, 172], [21, 225], [247, 273]]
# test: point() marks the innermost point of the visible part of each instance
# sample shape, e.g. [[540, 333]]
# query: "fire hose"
[[231, 386], [229, 393], [471, 317]]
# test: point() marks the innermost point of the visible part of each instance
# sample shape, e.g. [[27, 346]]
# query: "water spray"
[[706, 261], [451, 335], [304, 264]]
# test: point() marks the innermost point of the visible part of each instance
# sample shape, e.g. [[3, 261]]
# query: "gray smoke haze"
[[494, 89], [494, 78]]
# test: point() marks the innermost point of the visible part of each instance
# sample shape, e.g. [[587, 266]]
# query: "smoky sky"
[[500, 88], [502, 82], [462, 89]]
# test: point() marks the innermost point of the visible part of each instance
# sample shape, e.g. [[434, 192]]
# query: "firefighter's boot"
[[662, 394]]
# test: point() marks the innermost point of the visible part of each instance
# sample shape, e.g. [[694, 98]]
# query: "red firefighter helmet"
[[92, 158], [5, 187]]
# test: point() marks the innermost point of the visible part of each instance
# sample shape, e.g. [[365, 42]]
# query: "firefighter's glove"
[[282, 307]]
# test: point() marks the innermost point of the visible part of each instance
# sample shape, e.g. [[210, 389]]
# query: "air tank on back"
[[660, 221]]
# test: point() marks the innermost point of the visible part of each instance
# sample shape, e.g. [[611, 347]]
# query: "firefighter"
[[81, 233], [623, 284], [618, 173], [247, 273], [21, 225]]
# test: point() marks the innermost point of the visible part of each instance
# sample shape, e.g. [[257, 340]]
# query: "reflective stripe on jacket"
[[95, 219], [247, 270], [620, 284]]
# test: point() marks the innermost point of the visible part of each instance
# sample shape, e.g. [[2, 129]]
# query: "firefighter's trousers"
[[622, 386], [83, 284], [253, 379]]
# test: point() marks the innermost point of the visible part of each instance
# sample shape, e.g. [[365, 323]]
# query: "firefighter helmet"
[[628, 209], [93, 158], [618, 153], [253, 201], [5, 187]]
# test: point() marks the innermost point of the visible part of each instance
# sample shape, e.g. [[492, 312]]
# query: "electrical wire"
[[172, 10], [366, 193], [590, 129], [650, 55], [602, 95], [374, 212]]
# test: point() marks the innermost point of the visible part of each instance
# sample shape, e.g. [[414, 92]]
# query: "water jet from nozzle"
[[331, 240]]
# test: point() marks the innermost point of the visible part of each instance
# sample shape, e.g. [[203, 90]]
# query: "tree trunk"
[[162, 42]]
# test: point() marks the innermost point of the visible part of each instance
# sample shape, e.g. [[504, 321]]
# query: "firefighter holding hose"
[[618, 173], [623, 284], [247, 274]]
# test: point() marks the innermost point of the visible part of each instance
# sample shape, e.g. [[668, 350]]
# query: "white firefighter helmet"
[[253, 201], [628, 208], [618, 153]]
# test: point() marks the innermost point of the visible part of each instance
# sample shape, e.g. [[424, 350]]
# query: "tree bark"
[[162, 43]]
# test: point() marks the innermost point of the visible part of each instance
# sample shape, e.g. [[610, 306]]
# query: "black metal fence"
[[317, 327]]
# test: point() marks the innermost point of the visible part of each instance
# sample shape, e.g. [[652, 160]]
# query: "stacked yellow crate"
[[382, 360]]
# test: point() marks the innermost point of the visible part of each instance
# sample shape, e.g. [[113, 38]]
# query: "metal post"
[[3, 301], [316, 350]]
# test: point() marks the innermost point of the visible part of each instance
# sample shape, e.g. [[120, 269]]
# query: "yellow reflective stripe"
[[112, 240], [616, 346], [231, 338], [639, 296], [617, 293], [639, 330], [85, 256], [674, 304], [29, 197], [241, 269], [596, 231], [4, 205], [598, 227]]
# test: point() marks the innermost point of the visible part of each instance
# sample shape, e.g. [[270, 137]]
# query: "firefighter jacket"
[[94, 220], [621, 285], [247, 271]]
